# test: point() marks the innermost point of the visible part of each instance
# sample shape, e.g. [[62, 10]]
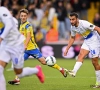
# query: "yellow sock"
[[16, 77], [56, 66]]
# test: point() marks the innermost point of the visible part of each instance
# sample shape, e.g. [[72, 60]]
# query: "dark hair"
[[24, 11], [74, 14]]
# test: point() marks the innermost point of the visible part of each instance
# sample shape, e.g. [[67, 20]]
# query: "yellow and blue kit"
[[32, 48]]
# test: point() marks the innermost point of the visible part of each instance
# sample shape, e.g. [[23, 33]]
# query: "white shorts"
[[16, 54], [93, 45], [84, 46]]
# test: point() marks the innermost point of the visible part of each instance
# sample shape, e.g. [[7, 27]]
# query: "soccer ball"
[[50, 60]]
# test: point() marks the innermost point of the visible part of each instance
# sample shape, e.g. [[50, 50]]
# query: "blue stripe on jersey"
[[27, 26], [1, 31], [89, 36]]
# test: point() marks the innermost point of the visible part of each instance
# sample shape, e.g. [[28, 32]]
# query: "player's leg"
[[37, 54], [4, 59], [95, 62], [95, 51], [26, 55], [2, 78], [27, 71], [96, 65], [82, 54], [56, 66]]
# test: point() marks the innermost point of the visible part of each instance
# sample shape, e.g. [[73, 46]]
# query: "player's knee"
[[80, 58], [43, 62], [18, 71], [94, 62]]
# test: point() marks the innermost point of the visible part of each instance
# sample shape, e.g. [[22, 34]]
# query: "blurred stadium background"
[[50, 21], [51, 25]]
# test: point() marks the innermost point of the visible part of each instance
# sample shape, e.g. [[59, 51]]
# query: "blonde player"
[[31, 46], [91, 44], [12, 48]]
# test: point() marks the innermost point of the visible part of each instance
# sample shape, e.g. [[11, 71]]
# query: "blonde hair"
[[24, 11]]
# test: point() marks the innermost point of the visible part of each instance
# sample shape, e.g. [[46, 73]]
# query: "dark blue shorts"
[[34, 52]]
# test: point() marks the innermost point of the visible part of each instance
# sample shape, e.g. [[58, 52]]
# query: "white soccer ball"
[[50, 60]]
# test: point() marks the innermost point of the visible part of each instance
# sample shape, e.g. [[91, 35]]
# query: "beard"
[[74, 24]]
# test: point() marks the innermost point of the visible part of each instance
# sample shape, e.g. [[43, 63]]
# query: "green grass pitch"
[[54, 79]]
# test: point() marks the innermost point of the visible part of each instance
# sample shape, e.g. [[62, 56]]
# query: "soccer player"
[[12, 48], [16, 22], [31, 46], [91, 44]]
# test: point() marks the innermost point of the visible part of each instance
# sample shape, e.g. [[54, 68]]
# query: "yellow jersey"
[[24, 29]]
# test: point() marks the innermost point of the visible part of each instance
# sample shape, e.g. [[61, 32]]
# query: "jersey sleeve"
[[4, 13], [73, 33], [28, 28], [88, 25], [6, 19]]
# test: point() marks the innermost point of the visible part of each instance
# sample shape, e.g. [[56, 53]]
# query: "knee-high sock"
[[56, 66], [97, 77], [27, 71], [76, 67], [2, 79], [12, 66]]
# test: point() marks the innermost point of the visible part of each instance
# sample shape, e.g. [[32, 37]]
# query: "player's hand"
[[65, 52], [25, 47]]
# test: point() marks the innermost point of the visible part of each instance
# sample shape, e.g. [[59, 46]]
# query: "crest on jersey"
[[91, 25], [5, 15], [22, 29]]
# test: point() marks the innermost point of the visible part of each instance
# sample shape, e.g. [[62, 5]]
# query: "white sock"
[[2, 79], [27, 71], [76, 67], [12, 66], [97, 77]]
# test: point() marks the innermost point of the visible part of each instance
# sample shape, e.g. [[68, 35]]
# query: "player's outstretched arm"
[[7, 21], [28, 37], [71, 41]]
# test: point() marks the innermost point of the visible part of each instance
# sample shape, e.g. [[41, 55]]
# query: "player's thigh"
[[18, 71], [4, 57], [94, 50], [26, 56], [94, 46], [36, 53], [83, 52], [85, 46], [17, 56]]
